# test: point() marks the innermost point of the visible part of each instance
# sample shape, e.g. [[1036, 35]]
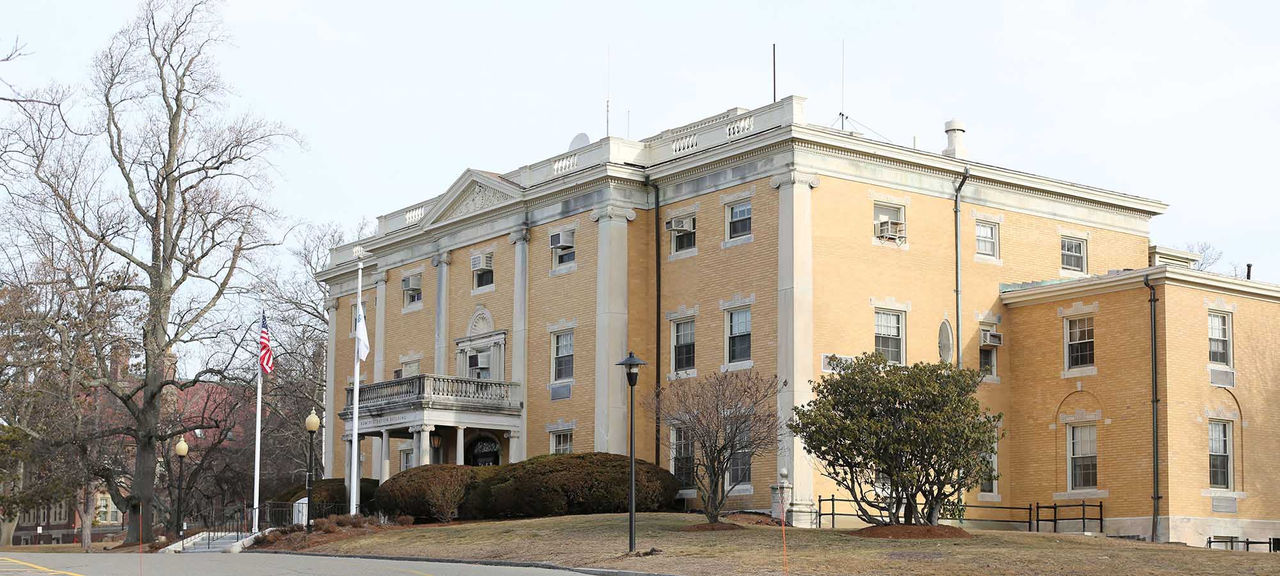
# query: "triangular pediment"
[[474, 191]]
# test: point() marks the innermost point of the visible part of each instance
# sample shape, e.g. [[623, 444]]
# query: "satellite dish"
[[945, 347], [579, 141]]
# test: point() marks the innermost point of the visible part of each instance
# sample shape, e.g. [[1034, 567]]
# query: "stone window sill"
[[416, 306], [563, 269], [483, 289], [1079, 372], [890, 243], [730, 243], [682, 374], [734, 366], [1088, 494], [681, 255], [983, 258], [986, 497]]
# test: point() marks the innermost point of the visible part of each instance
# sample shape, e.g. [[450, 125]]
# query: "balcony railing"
[[434, 390]]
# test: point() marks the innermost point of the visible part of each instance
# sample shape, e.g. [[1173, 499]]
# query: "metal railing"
[[1233, 543], [1084, 518], [218, 524], [1028, 510], [435, 387]]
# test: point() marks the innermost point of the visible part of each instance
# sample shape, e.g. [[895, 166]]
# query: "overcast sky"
[[1172, 101]]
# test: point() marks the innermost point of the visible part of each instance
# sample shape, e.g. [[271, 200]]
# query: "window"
[[682, 353], [888, 222], [1220, 338], [682, 457], [482, 270], [1220, 454], [988, 237], [739, 335], [1073, 254], [565, 256], [406, 459], [739, 468], [987, 361], [739, 220], [683, 234], [364, 306], [411, 289], [1082, 450], [889, 335], [1079, 342], [562, 353], [890, 212], [988, 485], [408, 369], [478, 365], [562, 442], [563, 247]]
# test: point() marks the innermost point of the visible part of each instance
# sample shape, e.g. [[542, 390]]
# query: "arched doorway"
[[483, 451]]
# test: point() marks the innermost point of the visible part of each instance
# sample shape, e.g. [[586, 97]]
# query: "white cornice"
[[1129, 279]]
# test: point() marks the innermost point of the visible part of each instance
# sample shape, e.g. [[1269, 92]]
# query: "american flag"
[[264, 348]]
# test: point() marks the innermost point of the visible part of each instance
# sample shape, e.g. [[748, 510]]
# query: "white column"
[[516, 449], [611, 328], [379, 329], [795, 331], [441, 262], [384, 462], [346, 460], [416, 459], [329, 424], [458, 458]]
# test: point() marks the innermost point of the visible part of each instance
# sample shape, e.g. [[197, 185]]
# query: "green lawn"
[[601, 541]]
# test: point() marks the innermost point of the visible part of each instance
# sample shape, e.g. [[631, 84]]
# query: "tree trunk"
[[86, 519], [7, 528]]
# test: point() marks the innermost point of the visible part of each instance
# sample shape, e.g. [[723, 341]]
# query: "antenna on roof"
[[775, 71], [608, 86], [842, 84]]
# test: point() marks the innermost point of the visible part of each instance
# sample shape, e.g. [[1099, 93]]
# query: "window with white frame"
[[889, 329], [1220, 454], [1074, 254], [482, 270], [739, 335], [1220, 338], [1082, 454], [478, 364], [562, 356], [987, 361], [1079, 337], [563, 247], [988, 485], [739, 219], [411, 289], [406, 459], [988, 238], [684, 233], [889, 222], [354, 314], [682, 341], [682, 457], [739, 465], [562, 442]]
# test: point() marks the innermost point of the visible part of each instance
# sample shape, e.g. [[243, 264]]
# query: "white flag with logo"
[[362, 334]]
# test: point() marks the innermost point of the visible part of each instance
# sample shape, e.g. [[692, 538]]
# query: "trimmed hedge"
[[331, 491], [551, 485]]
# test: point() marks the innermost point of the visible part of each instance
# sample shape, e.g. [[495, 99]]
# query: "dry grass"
[[601, 540]]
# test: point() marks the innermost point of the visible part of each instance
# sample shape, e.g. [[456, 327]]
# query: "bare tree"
[[172, 190], [1209, 255], [726, 419]]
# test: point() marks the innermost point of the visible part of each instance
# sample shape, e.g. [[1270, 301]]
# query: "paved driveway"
[[239, 565]]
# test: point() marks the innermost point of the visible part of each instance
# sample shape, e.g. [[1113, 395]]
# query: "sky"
[[1175, 101]]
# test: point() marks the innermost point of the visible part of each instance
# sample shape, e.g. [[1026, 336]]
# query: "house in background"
[[754, 240]]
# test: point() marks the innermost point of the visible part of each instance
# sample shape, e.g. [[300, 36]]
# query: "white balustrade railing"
[[434, 387]]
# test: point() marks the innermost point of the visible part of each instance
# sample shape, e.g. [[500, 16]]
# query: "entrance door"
[[483, 452]]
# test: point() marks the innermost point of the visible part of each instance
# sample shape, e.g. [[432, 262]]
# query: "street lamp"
[[313, 424], [181, 450], [632, 366]]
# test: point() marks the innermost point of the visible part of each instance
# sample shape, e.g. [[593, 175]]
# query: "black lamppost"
[[632, 365], [313, 424], [181, 451]]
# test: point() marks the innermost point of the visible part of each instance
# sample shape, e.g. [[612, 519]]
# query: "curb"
[[503, 563]]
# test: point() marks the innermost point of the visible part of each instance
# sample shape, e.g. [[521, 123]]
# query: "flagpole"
[[354, 454], [257, 446]]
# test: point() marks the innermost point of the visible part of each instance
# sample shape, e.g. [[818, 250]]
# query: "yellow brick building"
[[752, 240]]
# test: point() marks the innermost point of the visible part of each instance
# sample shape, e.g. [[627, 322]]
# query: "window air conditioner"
[[413, 282], [482, 262], [680, 225], [990, 338], [891, 230], [562, 240], [482, 360]]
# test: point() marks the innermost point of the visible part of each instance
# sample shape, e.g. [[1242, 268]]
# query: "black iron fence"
[[217, 526], [1059, 513], [1233, 543], [1024, 514]]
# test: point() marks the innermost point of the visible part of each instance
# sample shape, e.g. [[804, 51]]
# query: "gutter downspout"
[[964, 178], [657, 325], [1155, 415]]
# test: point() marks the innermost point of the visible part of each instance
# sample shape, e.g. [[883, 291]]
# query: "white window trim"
[[671, 236], [671, 464], [995, 226], [483, 289], [352, 308], [1231, 455], [994, 494], [1084, 255], [728, 221], [551, 441], [1071, 488], [902, 211], [1079, 371], [563, 269], [994, 376], [681, 255], [691, 372], [568, 380], [1231, 344], [741, 364], [902, 332]]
